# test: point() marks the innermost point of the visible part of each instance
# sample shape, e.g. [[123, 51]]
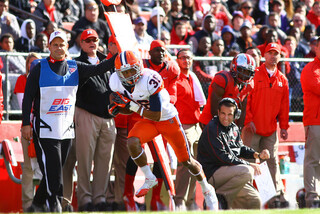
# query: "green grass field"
[[271, 211]]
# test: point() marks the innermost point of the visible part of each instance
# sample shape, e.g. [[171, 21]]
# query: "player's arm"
[[154, 113], [216, 96]]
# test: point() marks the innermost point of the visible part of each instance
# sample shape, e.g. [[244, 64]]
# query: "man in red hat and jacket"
[[267, 103]]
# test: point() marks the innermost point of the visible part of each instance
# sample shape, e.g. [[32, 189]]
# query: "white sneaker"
[[211, 199], [148, 184]]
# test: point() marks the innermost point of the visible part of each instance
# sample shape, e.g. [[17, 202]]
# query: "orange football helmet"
[[128, 67]]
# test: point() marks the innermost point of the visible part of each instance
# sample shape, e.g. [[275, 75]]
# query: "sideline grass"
[[271, 211]]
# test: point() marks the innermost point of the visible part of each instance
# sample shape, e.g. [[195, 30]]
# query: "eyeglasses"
[[215, 2], [185, 58], [247, 8], [297, 20], [91, 40], [92, 8]]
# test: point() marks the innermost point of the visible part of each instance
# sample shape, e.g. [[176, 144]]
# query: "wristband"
[[141, 111], [134, 106]]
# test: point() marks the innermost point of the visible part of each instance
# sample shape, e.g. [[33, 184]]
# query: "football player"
[[141, 90]]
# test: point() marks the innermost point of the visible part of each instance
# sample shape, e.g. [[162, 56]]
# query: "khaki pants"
[[235, 184], [312, 164], [27, 177], [95, 141], [120, 158], [185, 184], [259, 143]]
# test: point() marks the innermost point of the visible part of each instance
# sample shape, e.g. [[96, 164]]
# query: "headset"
[[237, 112]]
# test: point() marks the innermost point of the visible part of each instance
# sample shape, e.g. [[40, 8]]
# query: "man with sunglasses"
[[95, 131]]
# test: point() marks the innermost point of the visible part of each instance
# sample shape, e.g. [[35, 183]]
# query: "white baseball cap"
[[59, 34], [157, 10]]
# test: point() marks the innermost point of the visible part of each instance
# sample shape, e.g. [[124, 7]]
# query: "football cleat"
[[148, 184]]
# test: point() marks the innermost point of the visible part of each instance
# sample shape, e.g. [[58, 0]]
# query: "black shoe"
[[87, 207], [315, 204], [274, 203], [223, 204], [37, 208], [102, 206], [68, 208]]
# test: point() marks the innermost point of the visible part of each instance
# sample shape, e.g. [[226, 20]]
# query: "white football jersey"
[[149, 83]]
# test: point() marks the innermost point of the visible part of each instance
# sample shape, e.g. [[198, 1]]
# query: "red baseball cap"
[[88, 33], [273, 47], [157, 43]]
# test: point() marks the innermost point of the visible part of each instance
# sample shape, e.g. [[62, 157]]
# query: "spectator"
[[304, 43], [262, 114], [295, 91], [246, 9], [140, 29], [180, 34], [295, 32], [15, 66], [222, 15], [255, 53], [235, 83], [260, 37], [152, 27], [75, 48], [153, 118], [189, 9], [300, 7], [53, 140], [91, 20], [221, 153], [41, 44], [245, 41], [176, 10], [274, 23], [299, 21], [50, 27], [310, 87], [313, 45], [27, 40], [231, 48], [190, 98], [236, 22], [9, 23], [167, 19], [260, 12], [314, 15], [288, 7], [69, 9], [29, 170], [208, 28], [46, 10], [278, 8], [205, 69]]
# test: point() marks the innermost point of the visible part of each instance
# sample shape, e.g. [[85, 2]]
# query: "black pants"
[[51, 155]]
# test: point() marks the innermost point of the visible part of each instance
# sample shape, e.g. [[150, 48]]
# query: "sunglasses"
[[91, 40], [247, 8]]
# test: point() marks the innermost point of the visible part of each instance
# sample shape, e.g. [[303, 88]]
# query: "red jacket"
[[313, 18], [225, 80], [169, 71], [268, 101], [310, 83]]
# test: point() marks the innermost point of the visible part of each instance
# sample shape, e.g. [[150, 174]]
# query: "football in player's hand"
[[121, 110]]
